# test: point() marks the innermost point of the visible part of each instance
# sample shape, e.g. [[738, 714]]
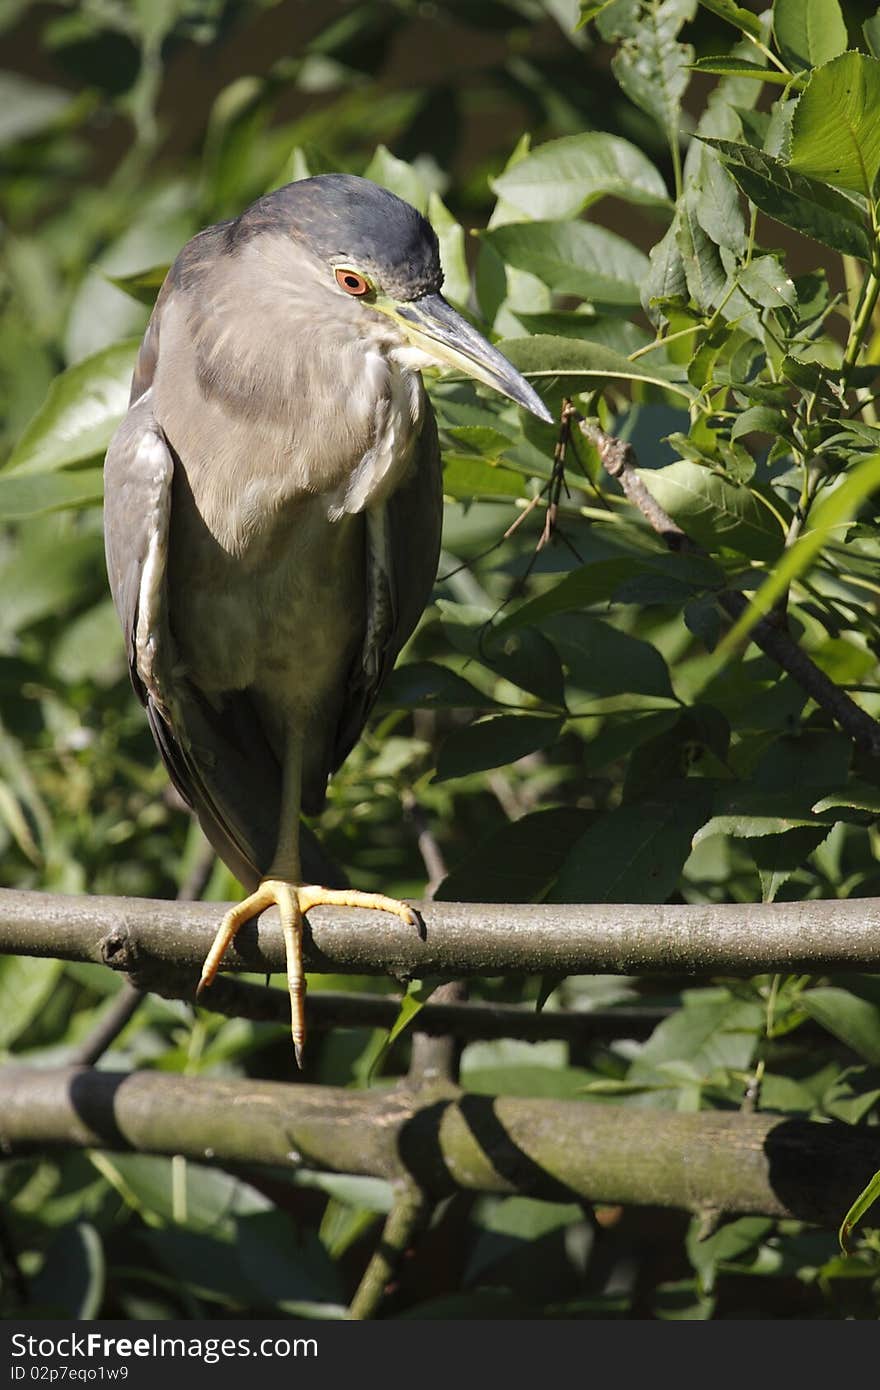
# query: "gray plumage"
[[272, 518], [273, 503]]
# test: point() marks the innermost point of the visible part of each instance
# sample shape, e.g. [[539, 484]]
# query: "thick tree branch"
[[143, 935], [619, 459], [439, 1141]]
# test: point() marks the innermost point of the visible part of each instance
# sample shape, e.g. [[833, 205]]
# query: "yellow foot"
[[293, 901]]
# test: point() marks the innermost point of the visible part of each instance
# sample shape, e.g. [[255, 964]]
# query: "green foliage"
[[568, 719]]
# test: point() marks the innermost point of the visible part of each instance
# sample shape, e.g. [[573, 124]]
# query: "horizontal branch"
[[713, 1162], [143, 936]]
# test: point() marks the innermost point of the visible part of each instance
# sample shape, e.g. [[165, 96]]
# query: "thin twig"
[[432, 855], [124, 1006], [407, 1217]]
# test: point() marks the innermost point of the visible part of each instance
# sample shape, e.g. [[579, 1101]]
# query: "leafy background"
[[564, 722]]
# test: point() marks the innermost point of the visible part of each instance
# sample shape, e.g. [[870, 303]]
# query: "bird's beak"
[[436, 329]]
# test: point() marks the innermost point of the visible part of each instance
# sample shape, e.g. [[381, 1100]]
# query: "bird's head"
[[365, 251]]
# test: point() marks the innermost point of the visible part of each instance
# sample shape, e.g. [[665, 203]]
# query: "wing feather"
[[217, 757], [402, 550]]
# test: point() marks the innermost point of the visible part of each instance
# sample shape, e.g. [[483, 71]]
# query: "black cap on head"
[[342, 217]]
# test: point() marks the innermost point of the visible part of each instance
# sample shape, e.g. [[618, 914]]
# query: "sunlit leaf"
[[835, 135], [563, 176], [80, 413]]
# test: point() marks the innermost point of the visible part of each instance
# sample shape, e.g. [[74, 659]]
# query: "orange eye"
[[351, 282]]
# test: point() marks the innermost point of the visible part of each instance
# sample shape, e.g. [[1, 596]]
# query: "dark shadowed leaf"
[[854, 1021], [518, 862], [422, 683], [494, 743], [735, 14], [636, 853], [71, 1283], [602, 660]]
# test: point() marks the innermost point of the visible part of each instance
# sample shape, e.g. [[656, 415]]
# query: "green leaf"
[[576, 365], [766, 281], [144, 285], [525, 657], [831, 514], [871, 31], [574, 258], [601, 660], [417, 994], [201, 1198], [71, 1283], [724, 1246], [80, 413], [652, 67], [836, 135], [778, 857], [606, 580], [589, 9], [423, 684], [28, 108], [808, 32], [863, 1203], [704, 270], [748, 813], [715, 512], [666, 278], [450, 234], [26, 984], [36, 494], [636, 853], [518, 862], [398, 177], [858, 796], [562, 177], [797, 201], [743, 19], [856, 1022], [465, 476], [724, 66], [712, 1029], [494, 743]]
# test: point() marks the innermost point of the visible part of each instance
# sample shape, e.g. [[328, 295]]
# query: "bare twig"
[[407, 1217], [432, 855], [121, 1010], [434, 1056], [619, 459]]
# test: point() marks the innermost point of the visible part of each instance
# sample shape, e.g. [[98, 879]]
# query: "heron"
[[273, 508]]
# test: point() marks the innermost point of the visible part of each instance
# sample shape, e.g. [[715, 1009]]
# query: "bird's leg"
[[282, 888]]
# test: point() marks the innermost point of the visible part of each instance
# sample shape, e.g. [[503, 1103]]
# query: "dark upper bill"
[[436, 328]]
